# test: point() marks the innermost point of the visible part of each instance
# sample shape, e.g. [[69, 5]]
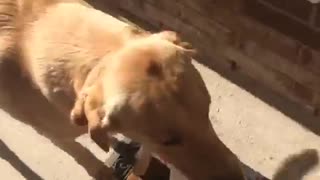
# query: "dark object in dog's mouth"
[[122, 159]]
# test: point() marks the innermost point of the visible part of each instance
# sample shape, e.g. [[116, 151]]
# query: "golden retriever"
[[122, 80]]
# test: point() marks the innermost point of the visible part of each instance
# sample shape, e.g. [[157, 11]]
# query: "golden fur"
[[124, 81]]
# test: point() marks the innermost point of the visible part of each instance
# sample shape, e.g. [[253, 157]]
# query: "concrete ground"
[[260, 134]]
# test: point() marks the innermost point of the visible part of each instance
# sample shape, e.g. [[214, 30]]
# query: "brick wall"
[[298, 19], [234, 36]]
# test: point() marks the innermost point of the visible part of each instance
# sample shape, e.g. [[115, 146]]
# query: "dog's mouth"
[[123, 156]]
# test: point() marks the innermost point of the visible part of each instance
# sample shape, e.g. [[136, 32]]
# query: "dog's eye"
[[173, 141]]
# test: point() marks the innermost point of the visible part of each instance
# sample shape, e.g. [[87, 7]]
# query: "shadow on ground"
[[26, 104], [14, 160], [296, 166]]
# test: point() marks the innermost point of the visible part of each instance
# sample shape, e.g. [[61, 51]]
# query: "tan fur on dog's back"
[[85, 37]]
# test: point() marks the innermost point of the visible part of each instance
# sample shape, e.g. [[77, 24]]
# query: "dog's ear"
[[175, 39], [170, 36]]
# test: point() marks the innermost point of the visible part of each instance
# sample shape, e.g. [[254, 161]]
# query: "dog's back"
[[61, 41], [67, 37], [15, 16]]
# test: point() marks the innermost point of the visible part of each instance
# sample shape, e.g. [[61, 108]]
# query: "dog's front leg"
[[98, 133], [77, 114], [95, 114]]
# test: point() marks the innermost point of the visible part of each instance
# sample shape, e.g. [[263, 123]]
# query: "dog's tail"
[[9, 12], [14, 14], [296, 166]]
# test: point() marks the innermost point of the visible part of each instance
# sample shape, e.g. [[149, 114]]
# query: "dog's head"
[[153, 94]]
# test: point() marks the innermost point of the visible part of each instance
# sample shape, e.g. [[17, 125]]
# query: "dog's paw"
[[78, 119], [77, 114]]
